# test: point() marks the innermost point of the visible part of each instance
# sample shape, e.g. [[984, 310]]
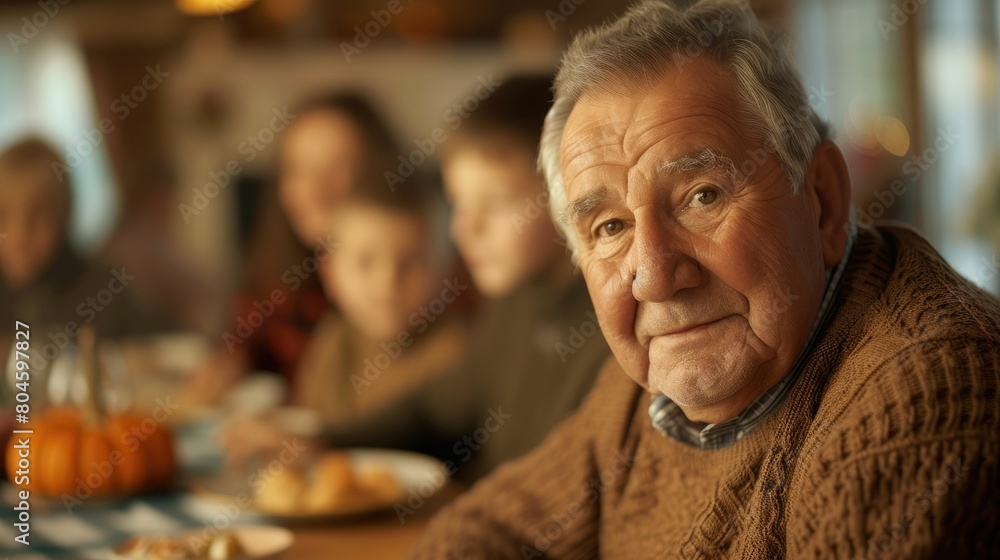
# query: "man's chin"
[[693, 387]]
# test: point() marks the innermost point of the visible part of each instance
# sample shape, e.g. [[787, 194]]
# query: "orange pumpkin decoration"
[[81, 452]]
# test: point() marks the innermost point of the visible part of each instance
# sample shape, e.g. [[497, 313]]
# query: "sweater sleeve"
[[543, 505], [911, 469], [943, 506]]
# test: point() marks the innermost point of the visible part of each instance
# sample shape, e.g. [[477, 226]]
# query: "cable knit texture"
[[886, 447]]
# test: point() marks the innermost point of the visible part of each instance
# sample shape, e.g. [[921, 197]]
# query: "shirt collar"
[[669, 419]]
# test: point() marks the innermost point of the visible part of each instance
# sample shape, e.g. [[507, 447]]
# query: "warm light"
[[211, 7], [284, 11], [858, 125], [860, 113], [892, 135], [527, 35]]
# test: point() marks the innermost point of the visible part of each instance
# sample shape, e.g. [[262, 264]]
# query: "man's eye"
[[610, 228], [704, 197]]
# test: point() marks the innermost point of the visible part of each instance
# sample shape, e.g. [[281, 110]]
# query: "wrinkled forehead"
[[688, 106]]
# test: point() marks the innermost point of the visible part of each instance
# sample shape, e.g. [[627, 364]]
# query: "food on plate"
[[332, 484], [224, 546], [380, 482], [281, 493]]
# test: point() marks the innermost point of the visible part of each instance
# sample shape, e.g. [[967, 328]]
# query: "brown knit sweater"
[[886, 447]]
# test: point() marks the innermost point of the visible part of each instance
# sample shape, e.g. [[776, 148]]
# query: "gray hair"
[[655, 35]]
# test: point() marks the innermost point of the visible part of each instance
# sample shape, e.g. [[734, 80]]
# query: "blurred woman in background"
[[332, 142]]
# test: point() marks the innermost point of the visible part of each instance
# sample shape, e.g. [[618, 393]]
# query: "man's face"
[[727, 264], [500, 221]]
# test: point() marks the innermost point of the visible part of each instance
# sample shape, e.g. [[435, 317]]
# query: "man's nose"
[[660, 264]]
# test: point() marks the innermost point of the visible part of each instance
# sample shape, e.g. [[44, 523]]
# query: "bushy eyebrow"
[[578, 210], [700, 160]]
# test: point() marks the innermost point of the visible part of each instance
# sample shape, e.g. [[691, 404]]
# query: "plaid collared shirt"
[[670, 420]]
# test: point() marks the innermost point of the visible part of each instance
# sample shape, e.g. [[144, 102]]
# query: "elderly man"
[[783, 384]]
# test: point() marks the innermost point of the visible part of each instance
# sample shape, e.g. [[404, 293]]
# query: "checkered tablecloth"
[[91, 530]]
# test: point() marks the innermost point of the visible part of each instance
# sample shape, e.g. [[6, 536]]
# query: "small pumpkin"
[[78, 452]]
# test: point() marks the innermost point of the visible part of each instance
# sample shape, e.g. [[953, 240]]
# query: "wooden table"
[[377, 536], [381, 537]]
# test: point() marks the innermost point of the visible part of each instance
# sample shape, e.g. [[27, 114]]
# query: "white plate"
[[418, 474], [259, 542]]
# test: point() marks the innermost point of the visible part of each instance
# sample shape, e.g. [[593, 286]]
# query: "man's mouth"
[[688, 329]]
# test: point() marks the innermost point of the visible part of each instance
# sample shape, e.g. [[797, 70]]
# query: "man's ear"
[[828, 183]]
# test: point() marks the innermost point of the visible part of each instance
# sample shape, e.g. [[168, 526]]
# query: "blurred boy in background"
[[43, 281], [536, 348], [384, 268], [45, 284], [383, 273]]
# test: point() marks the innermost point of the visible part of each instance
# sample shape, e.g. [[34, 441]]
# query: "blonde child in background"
[[393, 332], [387, 340]]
